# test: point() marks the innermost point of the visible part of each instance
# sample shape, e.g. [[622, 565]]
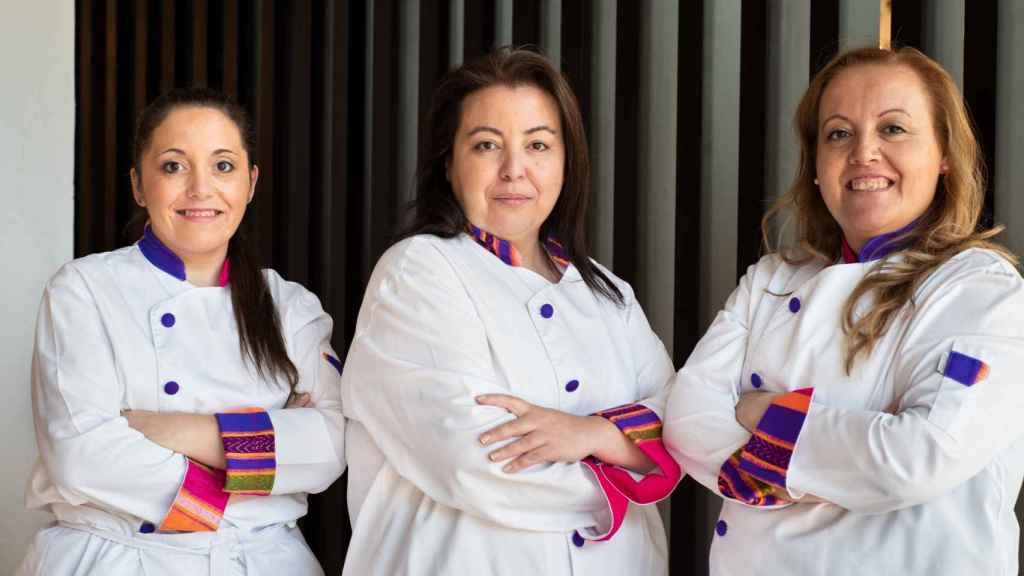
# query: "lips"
[[199, 213], [869, 183]]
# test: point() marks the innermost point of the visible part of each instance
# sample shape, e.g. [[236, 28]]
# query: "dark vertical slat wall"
[[321, 79]]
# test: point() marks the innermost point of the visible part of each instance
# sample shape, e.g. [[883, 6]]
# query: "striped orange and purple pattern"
[[508, 254], [200, 502], [767, 454], [636, 421], [248, 437], [738, 485]]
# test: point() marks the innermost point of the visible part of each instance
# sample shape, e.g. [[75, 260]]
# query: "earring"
[[816, 182]]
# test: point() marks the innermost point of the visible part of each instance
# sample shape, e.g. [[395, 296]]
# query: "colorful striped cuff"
[[767, 454], [200, 502], [736, 484], [248, 437], [641, 425]]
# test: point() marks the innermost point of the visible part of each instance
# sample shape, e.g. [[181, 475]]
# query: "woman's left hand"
[[751, 408], [544, 435], [194, 435]]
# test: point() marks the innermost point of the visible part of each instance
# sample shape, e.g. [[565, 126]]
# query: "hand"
[[751, 408], [544, 435], [160, 427], [299, 400]]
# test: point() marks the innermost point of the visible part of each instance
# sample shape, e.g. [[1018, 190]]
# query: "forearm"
[[618, 449], [196, 436]]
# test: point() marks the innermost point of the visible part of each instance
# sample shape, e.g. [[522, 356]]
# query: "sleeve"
[[641, 422], [958, 366], [290, 450], [88, 450], [419, 359], [701, 429]]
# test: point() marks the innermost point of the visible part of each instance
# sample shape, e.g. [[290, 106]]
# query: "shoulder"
[[417, 258], [296, 305], [977, 273], [775, 273], [93, 268], [628, 296]]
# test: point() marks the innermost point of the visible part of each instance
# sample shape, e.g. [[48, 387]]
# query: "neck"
[[535, 258], [204, 270]]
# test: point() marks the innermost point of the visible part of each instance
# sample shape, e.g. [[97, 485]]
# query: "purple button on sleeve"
[[578, 540], [171, 388], [147, 528], [755, 380], [167, 320], [572, 385], [721, 528], [794, 305]]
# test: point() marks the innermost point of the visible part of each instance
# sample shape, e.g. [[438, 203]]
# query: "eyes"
[[175, 167], [840, 134], [491, 145]]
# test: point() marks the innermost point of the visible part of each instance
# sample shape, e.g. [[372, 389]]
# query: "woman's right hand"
[[299, 400]]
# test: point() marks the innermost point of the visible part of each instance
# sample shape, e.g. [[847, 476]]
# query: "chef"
[[161, 375], [504, 392], [857, 403]]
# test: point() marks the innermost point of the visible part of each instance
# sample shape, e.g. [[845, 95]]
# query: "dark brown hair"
[[948, 227], [435, 209], [259, 326]]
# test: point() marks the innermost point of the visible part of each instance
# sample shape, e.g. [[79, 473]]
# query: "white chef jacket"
[[124, 330], [918, 450], [443, 321]]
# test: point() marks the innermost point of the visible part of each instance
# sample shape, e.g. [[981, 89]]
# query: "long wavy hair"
[[948, 227], [435, 209]]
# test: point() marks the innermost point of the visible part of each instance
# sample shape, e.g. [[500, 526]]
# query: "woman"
[[487, 341], [161, 373], [857, 403]]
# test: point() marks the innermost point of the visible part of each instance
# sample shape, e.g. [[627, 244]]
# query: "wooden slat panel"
[[85, 149], [200, 21], [526, 22], [167, 46]]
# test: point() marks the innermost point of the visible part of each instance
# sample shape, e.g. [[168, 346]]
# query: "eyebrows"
[[880, 114], [181, 152], [495, 131]]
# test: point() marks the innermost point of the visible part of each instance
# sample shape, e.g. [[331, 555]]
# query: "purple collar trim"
[[880, 246], [162, 257], [508, 254]]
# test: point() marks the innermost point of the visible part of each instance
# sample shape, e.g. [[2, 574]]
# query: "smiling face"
[[878, 158], [194, 180], [508, 160]]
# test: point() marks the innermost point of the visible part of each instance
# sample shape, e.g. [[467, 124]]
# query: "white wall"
[[37, 130]]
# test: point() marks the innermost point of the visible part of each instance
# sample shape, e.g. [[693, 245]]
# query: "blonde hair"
[[948, 227]]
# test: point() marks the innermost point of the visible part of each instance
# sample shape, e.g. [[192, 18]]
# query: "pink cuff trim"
[[643, 427], [200, 502], [618, 504]]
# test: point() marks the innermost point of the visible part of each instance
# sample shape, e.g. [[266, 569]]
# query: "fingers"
[[514, 405], [517, 448], [300, 400], [537, 456], [514, 429]]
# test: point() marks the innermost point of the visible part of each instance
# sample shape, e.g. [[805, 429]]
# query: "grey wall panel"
[[858, 23], [408, 101], [943, 30], [721, 130], [602, 131], [1009, 175]]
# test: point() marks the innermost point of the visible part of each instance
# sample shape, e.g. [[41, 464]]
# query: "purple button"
[[578, 540], [167, 320], [721, 527], [147, 528], [547, 310], [572, 385], [794, 305], [755, 379], [171, 388]]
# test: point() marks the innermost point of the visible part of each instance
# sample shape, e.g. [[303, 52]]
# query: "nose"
[[513, 165], [200, 185], [866, 149]]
